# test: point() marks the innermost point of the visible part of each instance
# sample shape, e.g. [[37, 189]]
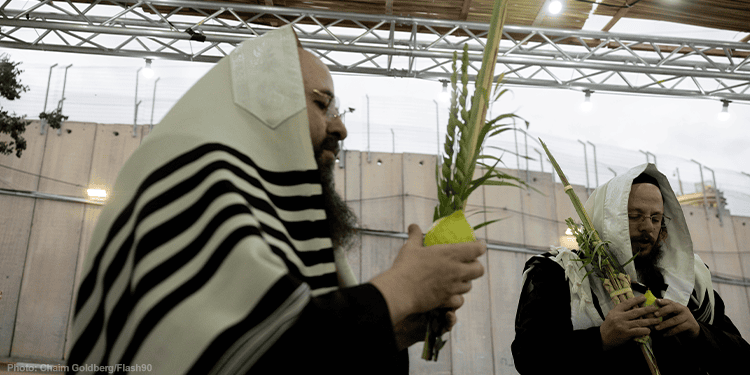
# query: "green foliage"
[[11, 89], [595, 252], [14, 126], [10, 86], [462, 155], [54, 118]]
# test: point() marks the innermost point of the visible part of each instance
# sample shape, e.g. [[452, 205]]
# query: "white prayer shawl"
[[684, 272], [219, 204]]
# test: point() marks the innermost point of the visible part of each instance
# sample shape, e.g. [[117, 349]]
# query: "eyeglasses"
[[331, 104], [655, 219]]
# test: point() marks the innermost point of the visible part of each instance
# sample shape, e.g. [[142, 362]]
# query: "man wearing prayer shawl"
[[216, 253], [567, 324]]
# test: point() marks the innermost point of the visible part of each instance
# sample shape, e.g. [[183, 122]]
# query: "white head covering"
[[685, 274], [216, 236], [608, 208]]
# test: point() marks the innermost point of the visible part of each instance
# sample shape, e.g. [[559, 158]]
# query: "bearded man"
[[566, 322], [216, 254]]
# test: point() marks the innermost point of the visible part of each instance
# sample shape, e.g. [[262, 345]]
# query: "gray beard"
[[342, 222]]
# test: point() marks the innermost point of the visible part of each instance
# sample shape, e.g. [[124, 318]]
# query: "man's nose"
[[646, 225], [336, 126]]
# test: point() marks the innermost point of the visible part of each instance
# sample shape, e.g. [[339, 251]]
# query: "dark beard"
[[648, 271], [342, 222]]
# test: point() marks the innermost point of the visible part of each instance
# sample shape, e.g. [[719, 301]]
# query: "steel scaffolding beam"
[[386, 45]]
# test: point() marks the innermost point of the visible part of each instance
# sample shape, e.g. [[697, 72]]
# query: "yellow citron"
[[450, 229], [650, 300]]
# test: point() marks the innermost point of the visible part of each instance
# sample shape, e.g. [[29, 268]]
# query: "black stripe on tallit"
[[191, 183], [163, 233], [166, 304], [699, 311], [87, 340], [181, 222], [176, 226], [265, 307], [154, 277], [276, 178], [179, 259]]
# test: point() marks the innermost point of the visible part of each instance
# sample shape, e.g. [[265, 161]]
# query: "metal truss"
[[385, 45]]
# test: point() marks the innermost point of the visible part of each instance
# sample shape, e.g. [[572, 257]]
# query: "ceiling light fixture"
[[148, 72], [724, 115], [555, 7], [444, 94], [586, 106]]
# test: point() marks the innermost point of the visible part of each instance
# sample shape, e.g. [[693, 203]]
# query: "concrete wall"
[[43, 242]]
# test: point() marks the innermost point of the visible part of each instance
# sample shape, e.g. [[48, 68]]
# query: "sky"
[[102, 89]]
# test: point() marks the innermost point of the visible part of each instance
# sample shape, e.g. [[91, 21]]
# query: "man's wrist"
[[398, 304], [603, 342]]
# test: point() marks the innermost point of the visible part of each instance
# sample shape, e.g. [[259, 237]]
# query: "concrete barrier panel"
[[742, 235], [352, 195], [23, 173], [503, 203], [505, 270], [472, 339], [48, 277], [14, 241], [67, 160], [113, 145], [722, 236], [698, 226], [90, 217], [540, 219], [420, 190], [382, 192], [737, 308]]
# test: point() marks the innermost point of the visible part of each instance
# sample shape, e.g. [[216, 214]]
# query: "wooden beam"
[[388, 6], [465, 10], [620, 13], [745, 39]]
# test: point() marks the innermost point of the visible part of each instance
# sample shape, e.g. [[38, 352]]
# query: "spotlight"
[[97, 194], [555, 7], [148, 72], [724, 115], [586, 106], [444, 94]]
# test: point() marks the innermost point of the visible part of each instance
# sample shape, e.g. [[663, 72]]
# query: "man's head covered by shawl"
[[638, 213], [326, 130], [222, 225]]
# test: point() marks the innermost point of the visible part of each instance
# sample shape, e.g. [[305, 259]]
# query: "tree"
[[11, 89]]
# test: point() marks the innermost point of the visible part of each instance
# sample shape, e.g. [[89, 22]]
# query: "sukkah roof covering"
[[733, 15]]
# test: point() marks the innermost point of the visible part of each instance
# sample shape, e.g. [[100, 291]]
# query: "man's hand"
[[677, 319], [412, 329], [625, 322], [422, 278]]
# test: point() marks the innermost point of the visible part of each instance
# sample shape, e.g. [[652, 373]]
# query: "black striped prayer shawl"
[[215, 237]]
